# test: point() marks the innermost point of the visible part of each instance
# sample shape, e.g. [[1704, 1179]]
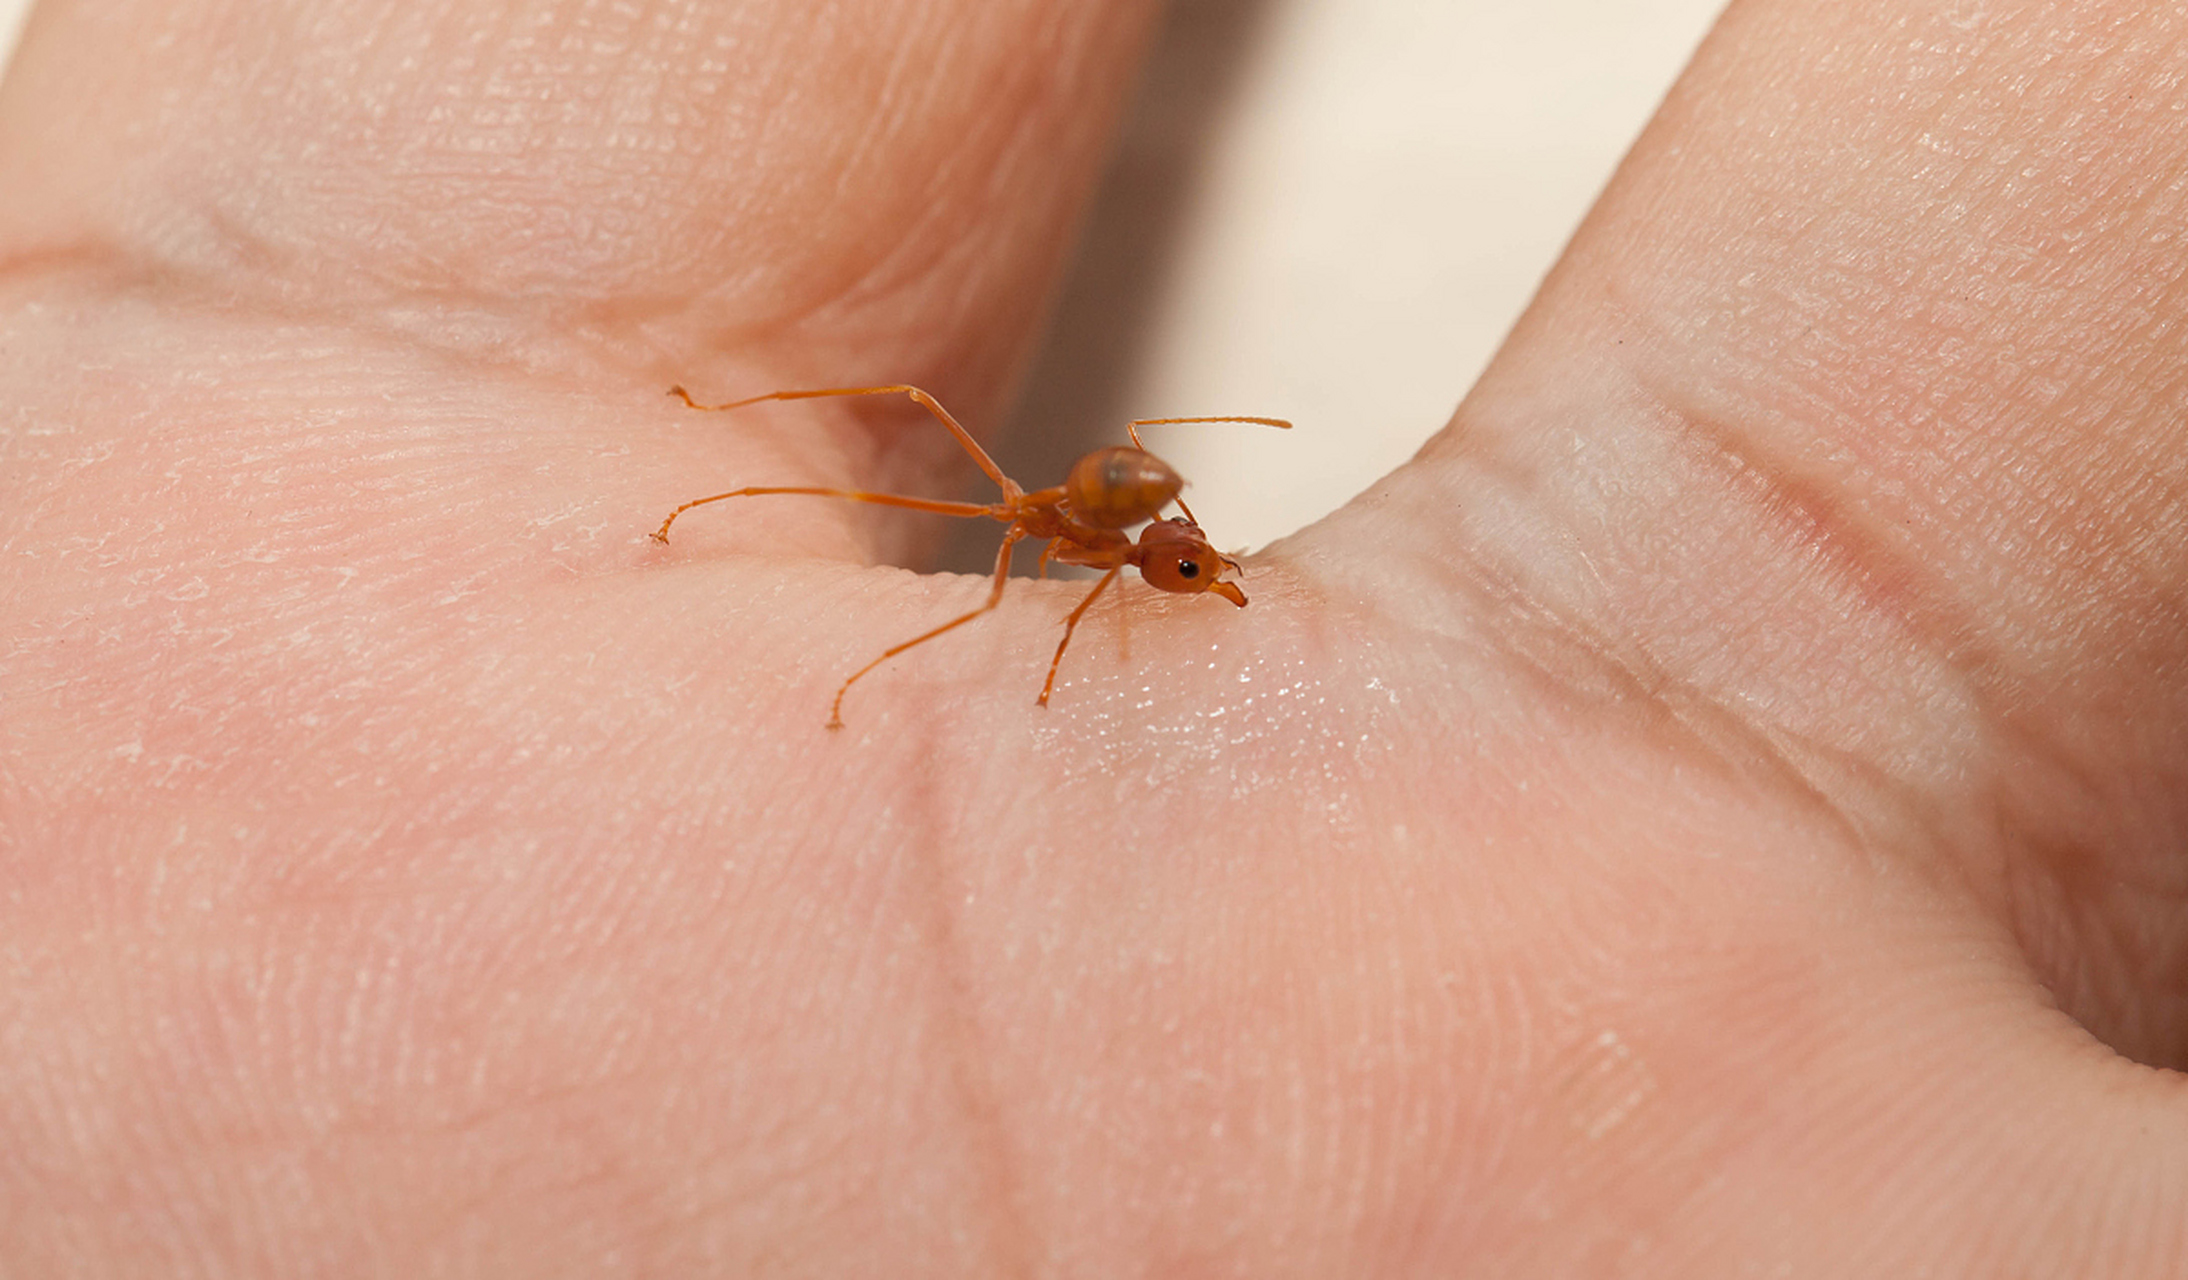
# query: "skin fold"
[[1718, 811]]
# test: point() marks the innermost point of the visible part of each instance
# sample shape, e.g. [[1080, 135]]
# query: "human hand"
[[1655, 833]]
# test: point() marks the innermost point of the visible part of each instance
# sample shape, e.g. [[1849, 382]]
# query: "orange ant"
[[1082, 519]]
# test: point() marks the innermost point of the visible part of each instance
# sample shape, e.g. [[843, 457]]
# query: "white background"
[[1360, 197]]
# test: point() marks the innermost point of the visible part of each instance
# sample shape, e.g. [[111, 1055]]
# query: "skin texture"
[[1719, 811]]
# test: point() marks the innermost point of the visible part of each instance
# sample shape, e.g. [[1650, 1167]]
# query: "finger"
[[658, 179], [1854, 411]]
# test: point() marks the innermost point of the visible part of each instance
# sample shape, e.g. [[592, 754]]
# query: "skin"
[[1717, 812]]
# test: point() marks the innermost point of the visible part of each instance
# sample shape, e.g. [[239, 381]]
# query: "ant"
[[1082, 520]]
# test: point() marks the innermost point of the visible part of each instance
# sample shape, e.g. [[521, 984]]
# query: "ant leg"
[[929, 403], [1124, 629], [1071, 624], [967, 509], [995, 596]]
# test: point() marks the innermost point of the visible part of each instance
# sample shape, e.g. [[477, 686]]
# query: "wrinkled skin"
[[1719, 811]]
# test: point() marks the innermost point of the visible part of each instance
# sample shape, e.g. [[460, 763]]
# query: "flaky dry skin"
[[1652, 835]]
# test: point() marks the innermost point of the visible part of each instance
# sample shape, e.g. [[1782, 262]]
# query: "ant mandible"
[[1082, 520]]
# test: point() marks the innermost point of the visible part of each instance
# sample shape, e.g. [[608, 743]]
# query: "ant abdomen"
[[1116, 488]]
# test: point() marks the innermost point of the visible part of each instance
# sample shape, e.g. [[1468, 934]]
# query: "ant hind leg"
[[933, 406]]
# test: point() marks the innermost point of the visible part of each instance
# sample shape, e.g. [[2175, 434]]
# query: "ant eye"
[[1188, 569]]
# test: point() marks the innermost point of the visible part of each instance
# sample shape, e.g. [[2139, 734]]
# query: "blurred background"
[[1332, 211], [1329, 211]]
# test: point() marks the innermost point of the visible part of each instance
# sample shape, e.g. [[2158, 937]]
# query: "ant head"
[[1173, 555], [1117, 488]]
